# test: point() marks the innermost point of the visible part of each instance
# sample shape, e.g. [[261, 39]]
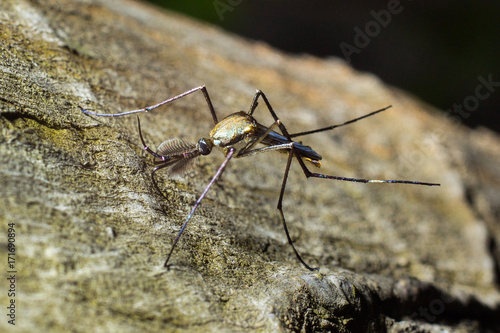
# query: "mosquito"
[[238, 135]]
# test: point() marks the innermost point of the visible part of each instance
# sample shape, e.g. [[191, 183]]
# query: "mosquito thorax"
[[232, 130], [205, 146]]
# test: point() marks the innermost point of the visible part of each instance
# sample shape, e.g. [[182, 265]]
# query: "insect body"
[[238, 135], [242, 132]]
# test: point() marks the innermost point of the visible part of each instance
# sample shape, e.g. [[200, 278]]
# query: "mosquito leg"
[[152, 107], [290, 146], [146, 148], [209, 103], [256, 142], [154, 180], [294, 135], [214, 179], [259, 93], [282, 128], [284, 146], [255, 103], [282, 216], [164, 162], [361, 180]]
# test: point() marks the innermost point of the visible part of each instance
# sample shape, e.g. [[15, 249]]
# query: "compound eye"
[[204, 147]]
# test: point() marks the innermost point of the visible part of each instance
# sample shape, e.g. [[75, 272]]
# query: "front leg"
[[152, 107], [277, 121]]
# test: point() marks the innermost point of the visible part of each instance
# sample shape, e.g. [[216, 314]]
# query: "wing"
[[177, 155]]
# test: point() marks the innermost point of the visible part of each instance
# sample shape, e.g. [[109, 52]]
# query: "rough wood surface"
[[92, 232]]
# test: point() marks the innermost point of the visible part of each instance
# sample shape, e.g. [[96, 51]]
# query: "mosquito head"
[[205, 146]]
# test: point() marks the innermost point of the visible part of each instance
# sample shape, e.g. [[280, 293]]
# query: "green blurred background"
[[435, 50]]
